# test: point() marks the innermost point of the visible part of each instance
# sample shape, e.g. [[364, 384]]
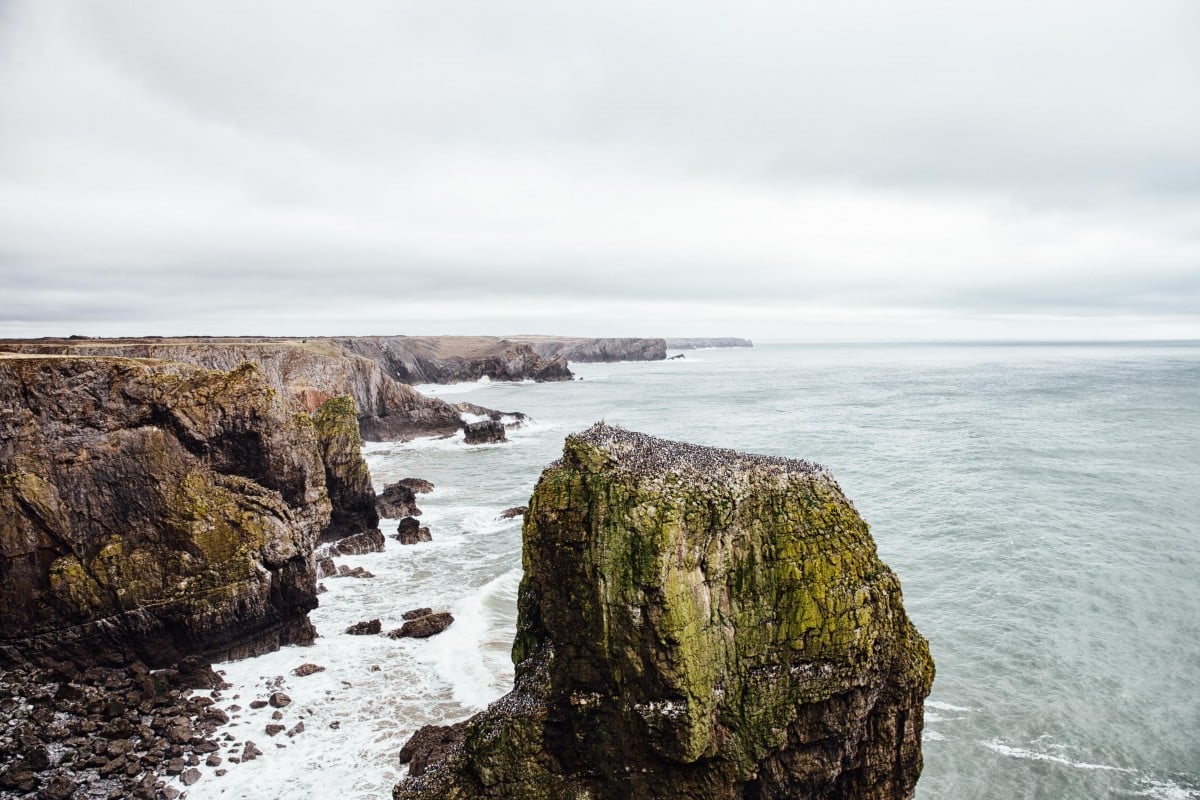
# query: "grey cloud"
[[184, 161]]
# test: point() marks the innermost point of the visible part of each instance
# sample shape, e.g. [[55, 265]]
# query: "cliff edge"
[[694, 623], [153, 510]]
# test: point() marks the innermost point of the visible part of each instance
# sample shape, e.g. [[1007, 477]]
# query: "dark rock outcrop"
[[514, 512], [369, 627], [409, 531], [488, 431], [366, 542], [423, 626], [696, 623], [396, 501], [153, 511], [416, 485]]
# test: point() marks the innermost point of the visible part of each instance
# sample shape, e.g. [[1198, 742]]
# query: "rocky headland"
[[314, 370], [697, 343], [693, 623]]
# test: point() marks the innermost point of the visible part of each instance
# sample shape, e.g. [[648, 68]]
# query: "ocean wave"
[[1003, 749]]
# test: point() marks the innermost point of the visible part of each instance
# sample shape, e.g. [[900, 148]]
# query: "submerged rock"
[[696, 623]]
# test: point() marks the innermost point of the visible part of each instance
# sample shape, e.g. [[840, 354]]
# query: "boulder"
[[488, 431], [365, 628], [417, 485], [304, 670], [424, 626], [514, 512], [410, 532], [356, 544], [696, 623], [396, 501], [416, 612]]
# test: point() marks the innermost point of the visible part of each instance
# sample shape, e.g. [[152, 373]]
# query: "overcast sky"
[[778, 170]]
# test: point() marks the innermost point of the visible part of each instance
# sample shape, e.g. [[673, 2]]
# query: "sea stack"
[[695, 623]]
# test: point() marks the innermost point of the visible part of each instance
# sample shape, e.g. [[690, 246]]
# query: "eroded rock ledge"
[[694, 623], [152, 511]]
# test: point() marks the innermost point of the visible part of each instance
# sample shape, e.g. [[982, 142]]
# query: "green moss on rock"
[[709, 624]]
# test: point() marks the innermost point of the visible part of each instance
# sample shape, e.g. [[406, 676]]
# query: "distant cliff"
[[693, 623], [584, 350], [153, 510], [312, 371], [698, 343], [456, 359]]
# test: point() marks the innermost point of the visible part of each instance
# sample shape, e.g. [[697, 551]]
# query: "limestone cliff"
[[153, 510], [584, 350], [695, 623]]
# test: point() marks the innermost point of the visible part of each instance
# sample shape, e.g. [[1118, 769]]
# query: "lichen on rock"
[[696, 623], [153, 511]]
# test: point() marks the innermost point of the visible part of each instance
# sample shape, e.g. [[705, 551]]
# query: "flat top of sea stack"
[[647, 456]]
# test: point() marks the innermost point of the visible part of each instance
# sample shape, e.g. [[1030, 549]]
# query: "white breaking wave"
[[1019, 752]]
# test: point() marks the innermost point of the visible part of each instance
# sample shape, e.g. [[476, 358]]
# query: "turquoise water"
[[1039, 503]]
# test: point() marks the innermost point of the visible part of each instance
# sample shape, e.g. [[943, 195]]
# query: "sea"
[[1039, 502]]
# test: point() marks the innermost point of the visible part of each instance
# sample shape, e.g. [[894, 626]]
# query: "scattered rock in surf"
[[424, 626], [489, 431], [256, 704], [409, 531], [416, 612], [274, 728], [365, 628], [417, 485], [304, 670], [363, 542], [250, 752], [297, 728], [326, 567], [279, 700], [514, 512], [397, 500], [357, 572]]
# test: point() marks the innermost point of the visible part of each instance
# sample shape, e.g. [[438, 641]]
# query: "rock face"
[[456, 359], [585, 350], [153, 511], [347, 478], [696, 623]]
